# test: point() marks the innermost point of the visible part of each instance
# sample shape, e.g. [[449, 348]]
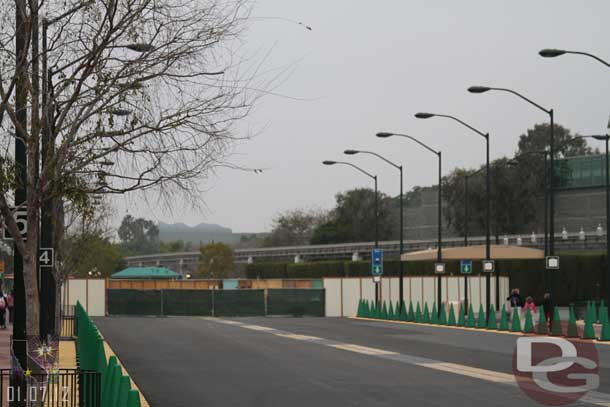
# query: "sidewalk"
[[5, 346]]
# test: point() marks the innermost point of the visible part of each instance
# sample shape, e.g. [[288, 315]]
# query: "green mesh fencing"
[[134, 302], [218, 303], [295, 301], [239, 303], [187, 302]]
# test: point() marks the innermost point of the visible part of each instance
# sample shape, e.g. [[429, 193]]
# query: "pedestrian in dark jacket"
[[515, 299], [549, 306]]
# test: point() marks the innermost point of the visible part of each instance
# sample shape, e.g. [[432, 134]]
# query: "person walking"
[[529, 304], [10, 303], [548, 306], [3, 307]]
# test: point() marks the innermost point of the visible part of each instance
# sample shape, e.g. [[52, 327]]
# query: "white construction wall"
[[91, 293], [343, 294]]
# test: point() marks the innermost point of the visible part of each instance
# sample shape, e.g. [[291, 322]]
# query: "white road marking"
[[592, 397]]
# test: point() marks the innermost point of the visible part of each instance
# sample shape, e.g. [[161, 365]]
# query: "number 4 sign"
[[46, 257]]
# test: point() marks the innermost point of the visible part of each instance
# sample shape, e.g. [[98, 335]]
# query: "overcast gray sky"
[[369, 66]]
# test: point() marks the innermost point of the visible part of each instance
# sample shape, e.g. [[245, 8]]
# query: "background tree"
[[143, 95], [139, 235], [216, 260], [173, 246], [353, 219], [294, 227]]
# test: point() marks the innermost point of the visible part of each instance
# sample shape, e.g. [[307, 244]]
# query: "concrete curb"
[[469, 329]]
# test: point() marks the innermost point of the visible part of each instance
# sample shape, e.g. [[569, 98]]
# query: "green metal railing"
[[116, 387]]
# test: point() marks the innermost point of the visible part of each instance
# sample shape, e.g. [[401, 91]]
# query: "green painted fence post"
[[461, 318], [403, 312], [503, 319], [542, 328], [471, 320], [442, 320], [528, 326], [434, 314], [418, 315], [360, 312], [411, 314], [481, 323], [124, 387], [589, 332], [451, 321], [491, 321], [572, 327], [133, 399], [384, 311], [426, 316], [516, 325], [556, 328], [391, 311], [605, 333]]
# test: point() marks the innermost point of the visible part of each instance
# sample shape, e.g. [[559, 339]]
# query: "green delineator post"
[[418, 315], [451, 321], [528, 326], [503, 319], [434, 315], [359, 313], [442, 319], [397, 309], [384, 311], [391, 311], [461, 318], [410, 314], [426, 317], [403, 313], [491, 322], [470, 323], [556, 328], [605, 334], [516, 325], [594, 311], [542, 328], [589, 332], [572, 327], [481, 323]]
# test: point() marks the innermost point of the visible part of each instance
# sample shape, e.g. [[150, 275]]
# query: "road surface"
[[193, 361]]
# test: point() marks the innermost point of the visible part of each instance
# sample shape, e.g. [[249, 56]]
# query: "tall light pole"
[[374, 177], [439, 253], [423, 115], [550, 112], [399, 167], [552, 53], [466, 220]]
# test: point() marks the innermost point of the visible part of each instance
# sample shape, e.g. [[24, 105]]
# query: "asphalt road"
[[191, 361]]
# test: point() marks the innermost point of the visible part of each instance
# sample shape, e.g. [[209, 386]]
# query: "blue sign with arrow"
[[377, 262]]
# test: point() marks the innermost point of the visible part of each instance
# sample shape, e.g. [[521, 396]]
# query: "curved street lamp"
[[553, 53], [374, 177], [399, 168], [550, 112], [425, 115], [439, 255]]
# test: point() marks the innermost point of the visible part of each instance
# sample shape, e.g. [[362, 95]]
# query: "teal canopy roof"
[[147, 272]]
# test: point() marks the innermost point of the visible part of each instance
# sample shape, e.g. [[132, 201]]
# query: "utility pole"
[[19, 331]]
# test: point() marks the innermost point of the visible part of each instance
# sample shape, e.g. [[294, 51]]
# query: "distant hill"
[[206, 233]]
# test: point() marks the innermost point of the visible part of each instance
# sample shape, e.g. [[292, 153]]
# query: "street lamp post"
[[552, 53], [399, 167], [374, 177], [551, 194], [423, 115], [439, 255], [466, 219]]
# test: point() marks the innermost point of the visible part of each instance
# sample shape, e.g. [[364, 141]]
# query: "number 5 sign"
[[21, 218], [46, 257]]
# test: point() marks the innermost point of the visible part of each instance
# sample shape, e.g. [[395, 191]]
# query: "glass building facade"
[[581, 172]]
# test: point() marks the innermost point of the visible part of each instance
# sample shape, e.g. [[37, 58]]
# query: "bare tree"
[[138, 95]]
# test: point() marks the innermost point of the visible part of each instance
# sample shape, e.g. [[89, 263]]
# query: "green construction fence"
[[218, 303], [116, 388]]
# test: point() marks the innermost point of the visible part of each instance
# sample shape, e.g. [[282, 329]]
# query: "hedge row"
[[582, 276]]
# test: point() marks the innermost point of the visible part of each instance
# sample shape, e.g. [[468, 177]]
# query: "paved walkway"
[[5, 346]]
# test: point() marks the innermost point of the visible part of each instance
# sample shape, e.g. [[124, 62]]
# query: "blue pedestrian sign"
[[466, 266], [377, 262]]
